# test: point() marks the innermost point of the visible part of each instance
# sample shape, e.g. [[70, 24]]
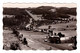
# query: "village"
[[46, 30]]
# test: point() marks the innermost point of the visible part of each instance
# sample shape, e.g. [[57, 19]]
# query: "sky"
[[26, 5]]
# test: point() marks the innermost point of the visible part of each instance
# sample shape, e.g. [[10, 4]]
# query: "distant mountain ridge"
[[39, 10]]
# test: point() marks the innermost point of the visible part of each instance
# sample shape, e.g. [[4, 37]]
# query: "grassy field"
[[8, 38], [60, 28]]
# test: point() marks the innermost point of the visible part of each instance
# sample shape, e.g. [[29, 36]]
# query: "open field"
[[8, 38], [34, 38], [69, 31], [37, 38]]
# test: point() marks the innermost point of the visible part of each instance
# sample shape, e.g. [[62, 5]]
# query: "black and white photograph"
[[39, 26]]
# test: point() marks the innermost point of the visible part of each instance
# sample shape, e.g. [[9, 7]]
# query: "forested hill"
[[61, 10], [14, 11], [39, 10]]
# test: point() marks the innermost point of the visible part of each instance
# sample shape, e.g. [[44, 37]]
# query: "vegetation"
[[14, 11], [62, 12], [20, 14], [20, 17], [65, 10]]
